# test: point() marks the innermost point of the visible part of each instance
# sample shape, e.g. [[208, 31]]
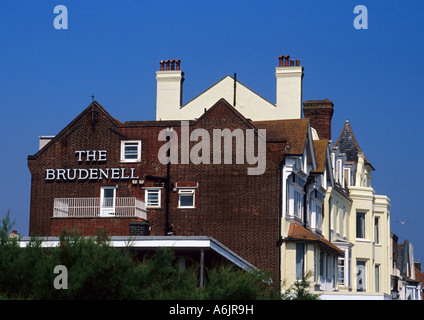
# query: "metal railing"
[[97, 207]]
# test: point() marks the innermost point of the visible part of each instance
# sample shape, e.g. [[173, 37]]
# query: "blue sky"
[[113, 48]]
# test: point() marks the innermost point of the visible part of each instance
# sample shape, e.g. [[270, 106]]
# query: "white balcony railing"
[[95, 207]]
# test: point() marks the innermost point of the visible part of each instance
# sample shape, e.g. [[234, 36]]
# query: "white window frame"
[[364, 276], [300, 260], [108, 210], [377, 278], [146, 197], [341, 269], [364, 229], [186, 191], [376, 230], [296, 197], [123, 154]]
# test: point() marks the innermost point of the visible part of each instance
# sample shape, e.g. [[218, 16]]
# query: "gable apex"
[[93, 108], [224, 103]]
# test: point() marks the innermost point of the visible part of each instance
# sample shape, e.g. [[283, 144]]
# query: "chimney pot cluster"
[[285, 61], [170, 65]]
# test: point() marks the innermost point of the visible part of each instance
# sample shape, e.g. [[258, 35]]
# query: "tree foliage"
[[300, 290], [96, 270]]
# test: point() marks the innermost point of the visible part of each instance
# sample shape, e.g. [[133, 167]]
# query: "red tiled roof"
[[320, 147], [298, 232], [419, 276], [294, 131]]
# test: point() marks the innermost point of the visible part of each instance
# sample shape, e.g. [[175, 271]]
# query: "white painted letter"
[[50, 174], [102, 155], [79, 155]]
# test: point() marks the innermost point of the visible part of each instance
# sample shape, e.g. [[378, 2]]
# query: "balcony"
[[99, 207]]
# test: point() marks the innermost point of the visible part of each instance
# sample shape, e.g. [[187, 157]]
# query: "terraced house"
[[227, 176]]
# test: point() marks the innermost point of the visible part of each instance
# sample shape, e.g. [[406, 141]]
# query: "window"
[[131, 151], [360, 276], [341, 268], [186, 198], [360, 225], [340, 171], [296, 195], [376, 235], [347, 177], [300, 257], [322, 265], [152, 197], [377, 278], [318, 211], [409, 293], [298, 203]]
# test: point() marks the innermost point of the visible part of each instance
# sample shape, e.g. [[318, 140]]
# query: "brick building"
[[228, 172]]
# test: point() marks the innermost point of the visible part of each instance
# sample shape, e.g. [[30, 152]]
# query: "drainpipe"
[[167, 187], [280, 216]]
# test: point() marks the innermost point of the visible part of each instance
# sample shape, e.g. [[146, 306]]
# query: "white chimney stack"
[[289, 76], [169, 89]]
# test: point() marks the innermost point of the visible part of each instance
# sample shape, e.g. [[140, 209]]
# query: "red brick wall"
[[239, 210], [320, 113], [90, 226]]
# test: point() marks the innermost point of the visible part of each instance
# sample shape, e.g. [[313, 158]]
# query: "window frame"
[[300, 260], [108, 210], [146, 197], [377, 277], [364, 278], [123, 153], [184, 192], [376, 230], [362, 228], [341, 270]]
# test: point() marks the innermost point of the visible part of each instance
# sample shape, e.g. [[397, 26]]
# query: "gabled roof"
[[294, 131], [224, 103], [300, 233], [419, 276], [320, 147], [347, 144], [212, 87], [93, 108]]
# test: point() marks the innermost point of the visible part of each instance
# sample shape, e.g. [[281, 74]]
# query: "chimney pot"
[[280, 58], [167, 64], [172, 64], [291, 62], [162, 65], [178, 64], [297, 63]]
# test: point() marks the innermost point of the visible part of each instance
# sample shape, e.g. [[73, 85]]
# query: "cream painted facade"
[[374, 246], [361, 227]]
